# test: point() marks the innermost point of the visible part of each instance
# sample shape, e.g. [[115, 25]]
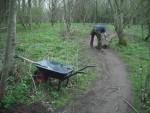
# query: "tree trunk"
[[4, 4], [53, 11], [119, 22], [30, 14], [8, 61], [148, 36], [96, 12], [67, 14], [21, 13]]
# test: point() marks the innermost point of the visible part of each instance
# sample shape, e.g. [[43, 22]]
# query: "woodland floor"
[[105, 95], [108, 93]]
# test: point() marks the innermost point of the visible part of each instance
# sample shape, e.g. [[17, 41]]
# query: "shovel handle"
[[23, 58]]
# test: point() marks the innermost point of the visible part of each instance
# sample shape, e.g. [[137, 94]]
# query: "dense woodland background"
[[121, 13], [28, 15]]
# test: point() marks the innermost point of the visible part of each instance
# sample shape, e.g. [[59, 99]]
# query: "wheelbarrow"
[[51, 69]]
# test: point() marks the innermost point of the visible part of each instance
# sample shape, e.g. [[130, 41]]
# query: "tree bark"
[[9, 52]]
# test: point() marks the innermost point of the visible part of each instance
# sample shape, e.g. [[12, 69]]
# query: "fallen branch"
[[127, 102], [32, 80]]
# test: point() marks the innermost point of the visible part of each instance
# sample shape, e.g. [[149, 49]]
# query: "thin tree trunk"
[[4, 11], [142, 27], [21, 11], [96, 11], [53, 11], [30, 14], [148, 36], [20, 15], [118, 20], [8, 61], [119, 29], [65, 11], [67, 14]]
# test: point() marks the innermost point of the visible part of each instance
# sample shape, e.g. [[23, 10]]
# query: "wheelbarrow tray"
[[54, 69]]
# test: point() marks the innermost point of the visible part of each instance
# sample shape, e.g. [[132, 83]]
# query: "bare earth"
[[106, 94]]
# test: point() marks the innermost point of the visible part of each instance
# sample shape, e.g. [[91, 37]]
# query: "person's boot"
[[99, 44], [91, 45]]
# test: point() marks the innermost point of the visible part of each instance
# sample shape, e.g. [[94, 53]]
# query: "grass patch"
[[46, 42]]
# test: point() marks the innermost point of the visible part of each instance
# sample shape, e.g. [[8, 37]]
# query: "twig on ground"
[[32, 80], [127, 102]]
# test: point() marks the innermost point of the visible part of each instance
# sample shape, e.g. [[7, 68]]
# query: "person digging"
[[98, 31]]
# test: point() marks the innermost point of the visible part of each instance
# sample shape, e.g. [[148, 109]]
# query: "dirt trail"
[[105, 94]]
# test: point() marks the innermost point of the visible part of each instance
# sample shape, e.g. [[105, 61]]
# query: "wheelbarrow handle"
[[84, 68], [23, 58], [79, 71]]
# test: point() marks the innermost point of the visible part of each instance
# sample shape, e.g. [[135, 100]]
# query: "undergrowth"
[[136, 56], [46, 42]]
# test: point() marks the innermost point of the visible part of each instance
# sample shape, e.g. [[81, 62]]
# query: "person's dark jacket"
[[98, 28]]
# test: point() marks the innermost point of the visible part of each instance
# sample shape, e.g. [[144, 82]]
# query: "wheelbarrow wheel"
[[60, 83]]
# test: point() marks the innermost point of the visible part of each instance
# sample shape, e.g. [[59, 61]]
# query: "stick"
[[32, 80], [33, 83], [127, 102]]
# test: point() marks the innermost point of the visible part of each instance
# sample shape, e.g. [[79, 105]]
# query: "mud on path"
[[106, 94]]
